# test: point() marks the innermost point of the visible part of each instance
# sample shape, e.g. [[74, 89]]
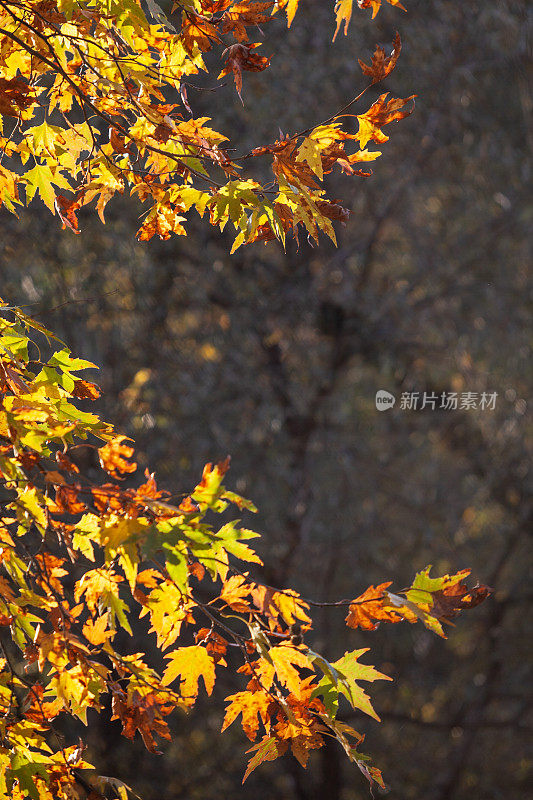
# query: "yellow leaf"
[[190, 663], [96, 632], [309, 151], [286, 658]]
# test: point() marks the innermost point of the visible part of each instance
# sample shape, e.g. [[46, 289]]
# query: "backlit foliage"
[[94, 103], [82, 557]]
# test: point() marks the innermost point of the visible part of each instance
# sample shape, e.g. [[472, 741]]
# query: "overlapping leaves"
[[94, 103], [81, 559]]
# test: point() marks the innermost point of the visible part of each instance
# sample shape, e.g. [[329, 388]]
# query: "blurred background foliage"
[[276, 358]]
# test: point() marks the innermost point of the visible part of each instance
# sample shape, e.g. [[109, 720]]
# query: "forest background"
[[276, 358]]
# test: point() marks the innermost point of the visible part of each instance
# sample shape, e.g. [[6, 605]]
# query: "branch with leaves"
[[79, 559], [93, 103]]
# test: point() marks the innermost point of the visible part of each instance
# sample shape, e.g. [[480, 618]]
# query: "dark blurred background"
[[276, 358]]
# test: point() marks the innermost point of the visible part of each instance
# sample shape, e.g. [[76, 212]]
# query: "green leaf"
[[63, 359], [348, 670]]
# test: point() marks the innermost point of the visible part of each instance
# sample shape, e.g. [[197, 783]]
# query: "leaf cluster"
[[94, 102], [81, 558]]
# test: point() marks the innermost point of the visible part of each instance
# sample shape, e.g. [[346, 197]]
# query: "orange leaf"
[[85, 390], [370, 608], [254, 707], [198, 31], [113, 457], [96, 632], [234, 590], [381, 113], [247, 12]]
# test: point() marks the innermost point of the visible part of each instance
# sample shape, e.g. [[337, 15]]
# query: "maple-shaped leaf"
[[189, 663], [241, 57], [254, 706], [341, 679], [234, 592], [382, 65], [15, 96], [96, 632], [268, 749], [97, 585], [163, 220], [440, 599], [288, 163], [241, 14], [210, 487], [42, 179], [197, 31], [113, 457], [287, 604], [287, 660], [37, 709], [449, 602], [381, 113], [371, 608], [143, 713]]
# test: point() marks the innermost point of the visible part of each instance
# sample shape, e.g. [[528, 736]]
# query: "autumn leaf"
[[143, 712], [343, 14], [439, 599], [287, 661], [214, 643], [449, 602], [85, 390], [15, 96], [268, 749], [113, 457], [234, 591], [67, 500], [381, 113], [287, 164], [375, 5], [371, 608], [190, 663], [254, 706], [197, 31], [66, 209], [341, 678], [241, 14], [382, 65], [65, 463], [96, 632], [241, 57]]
